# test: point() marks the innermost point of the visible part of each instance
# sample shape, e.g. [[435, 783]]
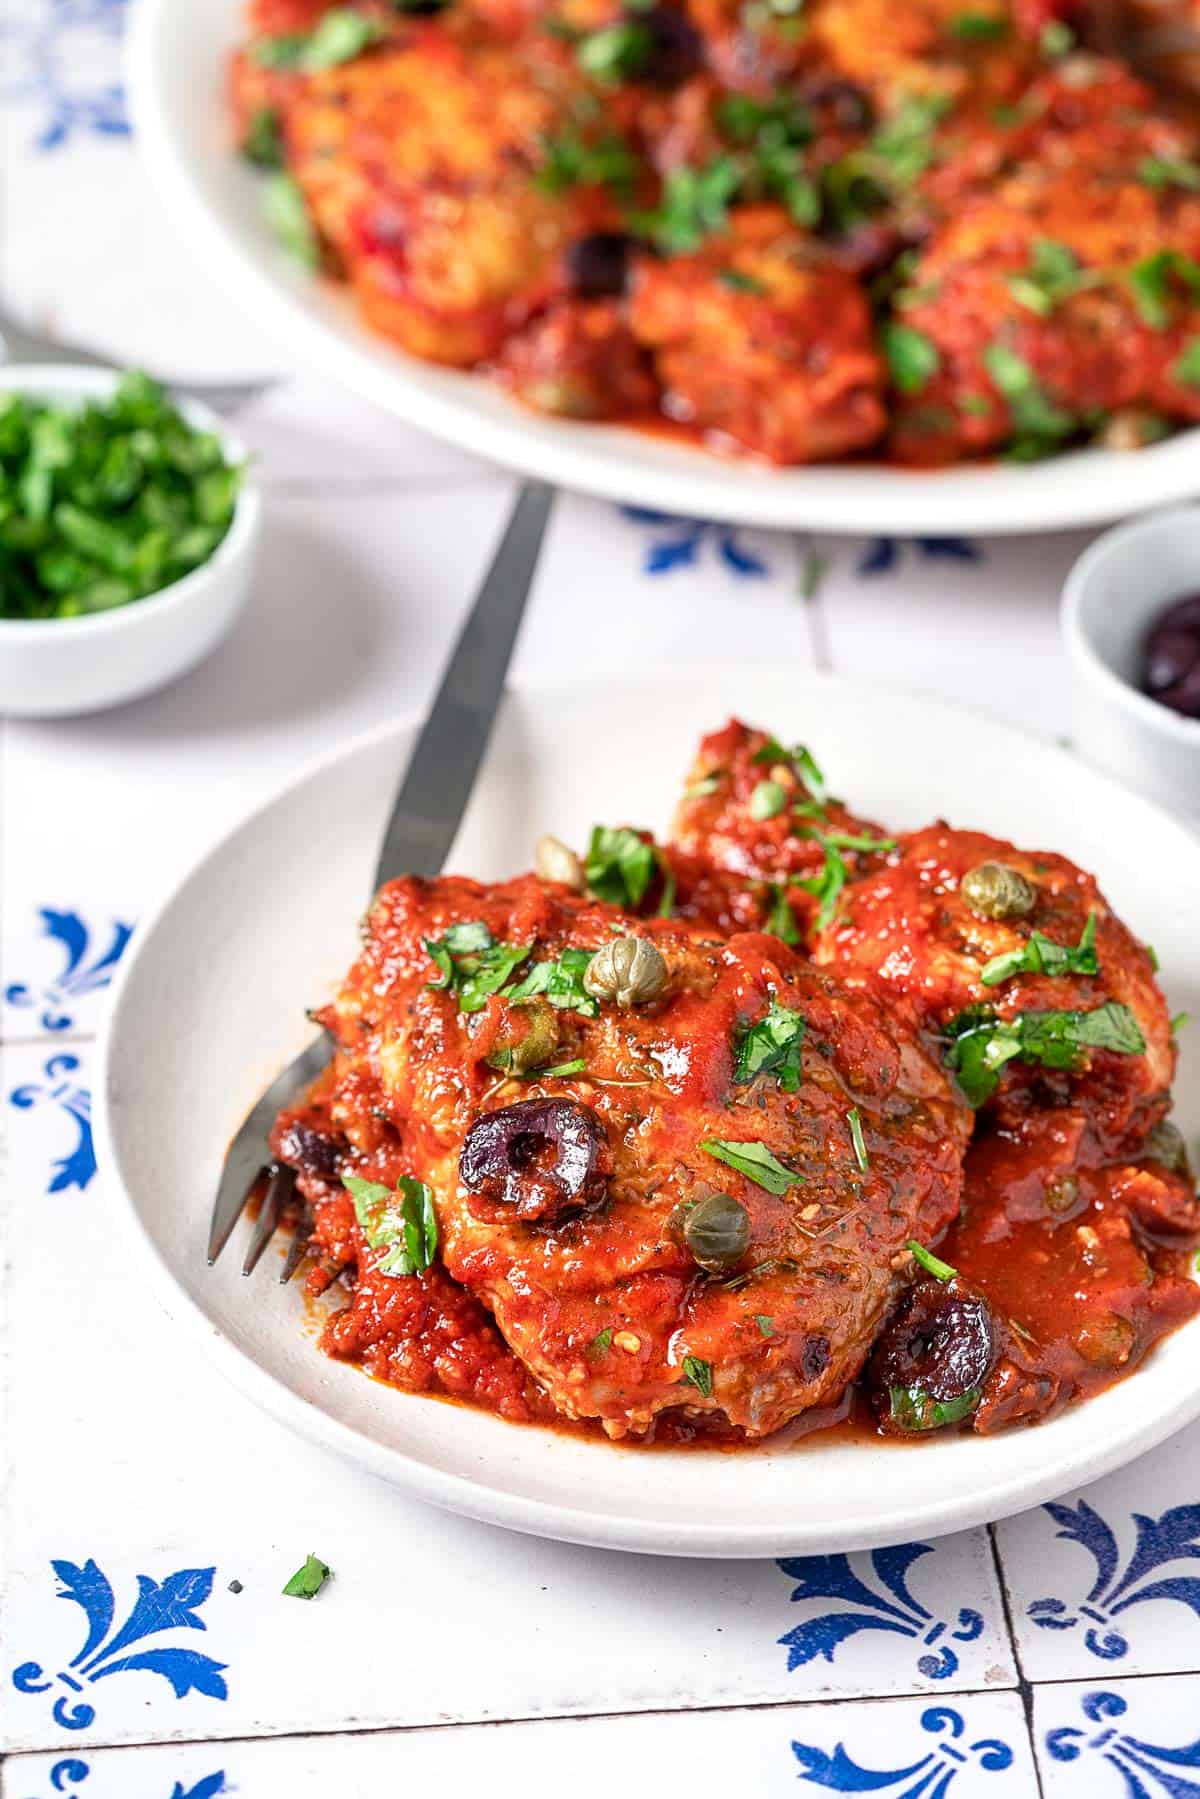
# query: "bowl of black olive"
[[1131, 624]]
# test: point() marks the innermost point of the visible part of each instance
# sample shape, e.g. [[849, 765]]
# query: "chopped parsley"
[[307, 1581], [768, 800], [1039, 426], [1057, 40], [801, 761], [1040, 955], [287, 216], [941, 1271], [341, 35], [1155, 279], [981, 1043], [826, 887], [772, 1046], [1187, 367], [740, 282], [755, 1161], [262, 141], [979, 27], [912, 357], [572, 160], [702, 788], [620, 866], [560, 982], [1054, 273], [781, 920], [472, 965], [766, 1326], [694, 205], [407, 1231], [1169, 171], [601, 1341], [914, 1410], [698, 1374], [1178, 1022], [772, 135], [617, 52], [854, 1120]]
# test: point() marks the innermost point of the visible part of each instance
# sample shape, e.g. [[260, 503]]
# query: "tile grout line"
[[1024, 1687], [76, 1037], [804, 549], [753, 1705]]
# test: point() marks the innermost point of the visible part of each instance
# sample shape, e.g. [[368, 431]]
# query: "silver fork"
[[423, 823], [22, 345]]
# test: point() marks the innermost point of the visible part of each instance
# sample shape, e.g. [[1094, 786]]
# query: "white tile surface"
[[974, 1748]]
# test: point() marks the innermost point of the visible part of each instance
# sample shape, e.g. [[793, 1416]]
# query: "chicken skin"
[[691, 1194], [1042, 996]]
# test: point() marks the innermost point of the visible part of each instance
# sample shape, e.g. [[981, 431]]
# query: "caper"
[[994, 891], [554, 861], [629, 971], [717, 1231], [521, 1054], [1166, 1144]]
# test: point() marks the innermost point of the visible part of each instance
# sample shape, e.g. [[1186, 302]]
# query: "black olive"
[[1166, 1144], [598, 265], [546, 1158], [932, 1359], [1171, 657], [310, 1150], [814, 1357], [675, 49], [717, 1231]]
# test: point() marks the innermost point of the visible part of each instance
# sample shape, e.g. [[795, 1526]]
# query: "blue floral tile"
[[913, 1617], [1105, 1582], [72, 958], [1132, 1739], [61, 70], [57, 1104]]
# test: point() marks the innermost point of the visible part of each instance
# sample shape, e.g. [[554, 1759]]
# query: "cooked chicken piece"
[[704, 1210]]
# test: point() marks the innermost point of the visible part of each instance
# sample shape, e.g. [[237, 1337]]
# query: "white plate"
[[211, 1002], [177, 57]]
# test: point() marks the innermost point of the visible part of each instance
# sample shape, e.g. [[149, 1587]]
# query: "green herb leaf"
[[826, 888], [694, 205], [772, 1046], [1040, 955], [1057, 40], [403, 1223], [914, 1410], [740, 283], [765, 1325], [286, 212], [1040, 426], [911, 356], [572, 159], [340, 36], [561, 1070], [307, 1581], [620, 866], [768, 800], [1187, 366], [982, 1044], [1054, 274], [601, 1341], [559, 981], [854, 1120], [755, 1161], [617, 52], [701, 789], [471, 965], [698, 1374], [802, 763], [1178, 1022], [979, 27], [262, 142], [1154, 280], [781, 920], [1169, 171], [932, 1264]]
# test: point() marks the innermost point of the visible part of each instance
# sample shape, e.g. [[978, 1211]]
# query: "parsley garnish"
[[772, 1046], [1053, 274], [1169, 171], [601, 1341], [979, 27], [702, 788], [755, 1161], [781, 920], [981, 1044], [694, 205], [407, 1231], [768, 800], [765, 1325], [802, 763], [286, 212], [1151, 282], [1187, 366], [772, 135], [570, 160], [560, 982], [914, 1410], [1040, 955], [262, 142], [616, 52], [307, 1581], [1178, 1022], [1040, 425], [341, 35], [932, 1264], [740, 282], [911, 356], [698, 1374], [472, 965], [620, 866], [854, 1120], [1057, 40]]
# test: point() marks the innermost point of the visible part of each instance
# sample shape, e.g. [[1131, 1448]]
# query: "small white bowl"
[[1112, 596], [52, 668]]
